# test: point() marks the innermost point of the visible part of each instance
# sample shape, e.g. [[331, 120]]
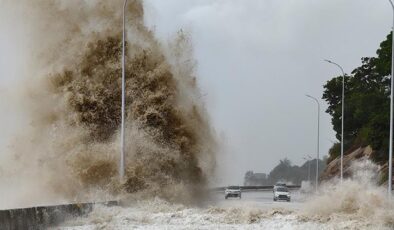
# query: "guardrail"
[[267, 187], [43, 217]]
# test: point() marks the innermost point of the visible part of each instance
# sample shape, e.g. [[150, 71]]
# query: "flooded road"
[[256, 210], [260, 199]]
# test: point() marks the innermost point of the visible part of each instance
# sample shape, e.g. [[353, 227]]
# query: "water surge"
[[72, 92]]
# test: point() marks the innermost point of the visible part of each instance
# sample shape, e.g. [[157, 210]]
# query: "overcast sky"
[[256, 61], [258, 58]]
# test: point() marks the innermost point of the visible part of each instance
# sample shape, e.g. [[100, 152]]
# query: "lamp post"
[[122, 129], [318, 138], [308, 158], [343, 113], [391, 114]]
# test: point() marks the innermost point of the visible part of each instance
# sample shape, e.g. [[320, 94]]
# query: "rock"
[[333, 168]]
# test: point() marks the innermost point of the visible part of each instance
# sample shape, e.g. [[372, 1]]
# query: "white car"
[[282, 193], [232, 191]]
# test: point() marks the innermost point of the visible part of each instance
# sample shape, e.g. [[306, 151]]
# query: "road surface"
[[259, 199], [256, 210]]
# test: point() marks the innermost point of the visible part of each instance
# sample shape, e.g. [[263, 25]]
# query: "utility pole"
[[391, 113], [318, 139], [343, 111], [308, 159], [122, 129]]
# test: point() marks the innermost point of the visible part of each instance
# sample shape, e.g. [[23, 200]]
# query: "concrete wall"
[[43, 217]]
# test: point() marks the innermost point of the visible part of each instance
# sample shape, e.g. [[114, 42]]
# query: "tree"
[[367, 103], [285, 171]]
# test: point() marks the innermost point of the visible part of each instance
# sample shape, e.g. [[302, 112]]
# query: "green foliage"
[[285, 171], [334, 152], [367, 103]]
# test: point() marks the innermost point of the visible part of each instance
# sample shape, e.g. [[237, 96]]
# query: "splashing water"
[[70, 152], [357, 203], [358, 198]]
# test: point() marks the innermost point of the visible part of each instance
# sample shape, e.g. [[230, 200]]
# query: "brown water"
[[72, 95]]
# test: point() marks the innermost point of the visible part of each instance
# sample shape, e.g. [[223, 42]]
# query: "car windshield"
[[233, 187], [282, 189]]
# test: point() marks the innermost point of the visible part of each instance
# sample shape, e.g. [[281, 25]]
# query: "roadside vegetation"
[[367, 105], [285, 172]]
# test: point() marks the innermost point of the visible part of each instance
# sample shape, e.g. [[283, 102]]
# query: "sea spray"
[[357, 199], [72, 97], [357, 203]]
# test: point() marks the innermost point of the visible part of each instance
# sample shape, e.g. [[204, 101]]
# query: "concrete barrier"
[[254, 188], [37, 218]]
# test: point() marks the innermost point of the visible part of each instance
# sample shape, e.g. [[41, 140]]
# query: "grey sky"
[[256, 61], [258, 58]]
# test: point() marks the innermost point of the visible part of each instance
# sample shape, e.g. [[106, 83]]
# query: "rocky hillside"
[[333, 168]]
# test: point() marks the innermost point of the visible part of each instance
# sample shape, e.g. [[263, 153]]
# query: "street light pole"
[[318, 139], [122, 129], [308, 159], [309, 171], [391, 113], [343, 111]]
